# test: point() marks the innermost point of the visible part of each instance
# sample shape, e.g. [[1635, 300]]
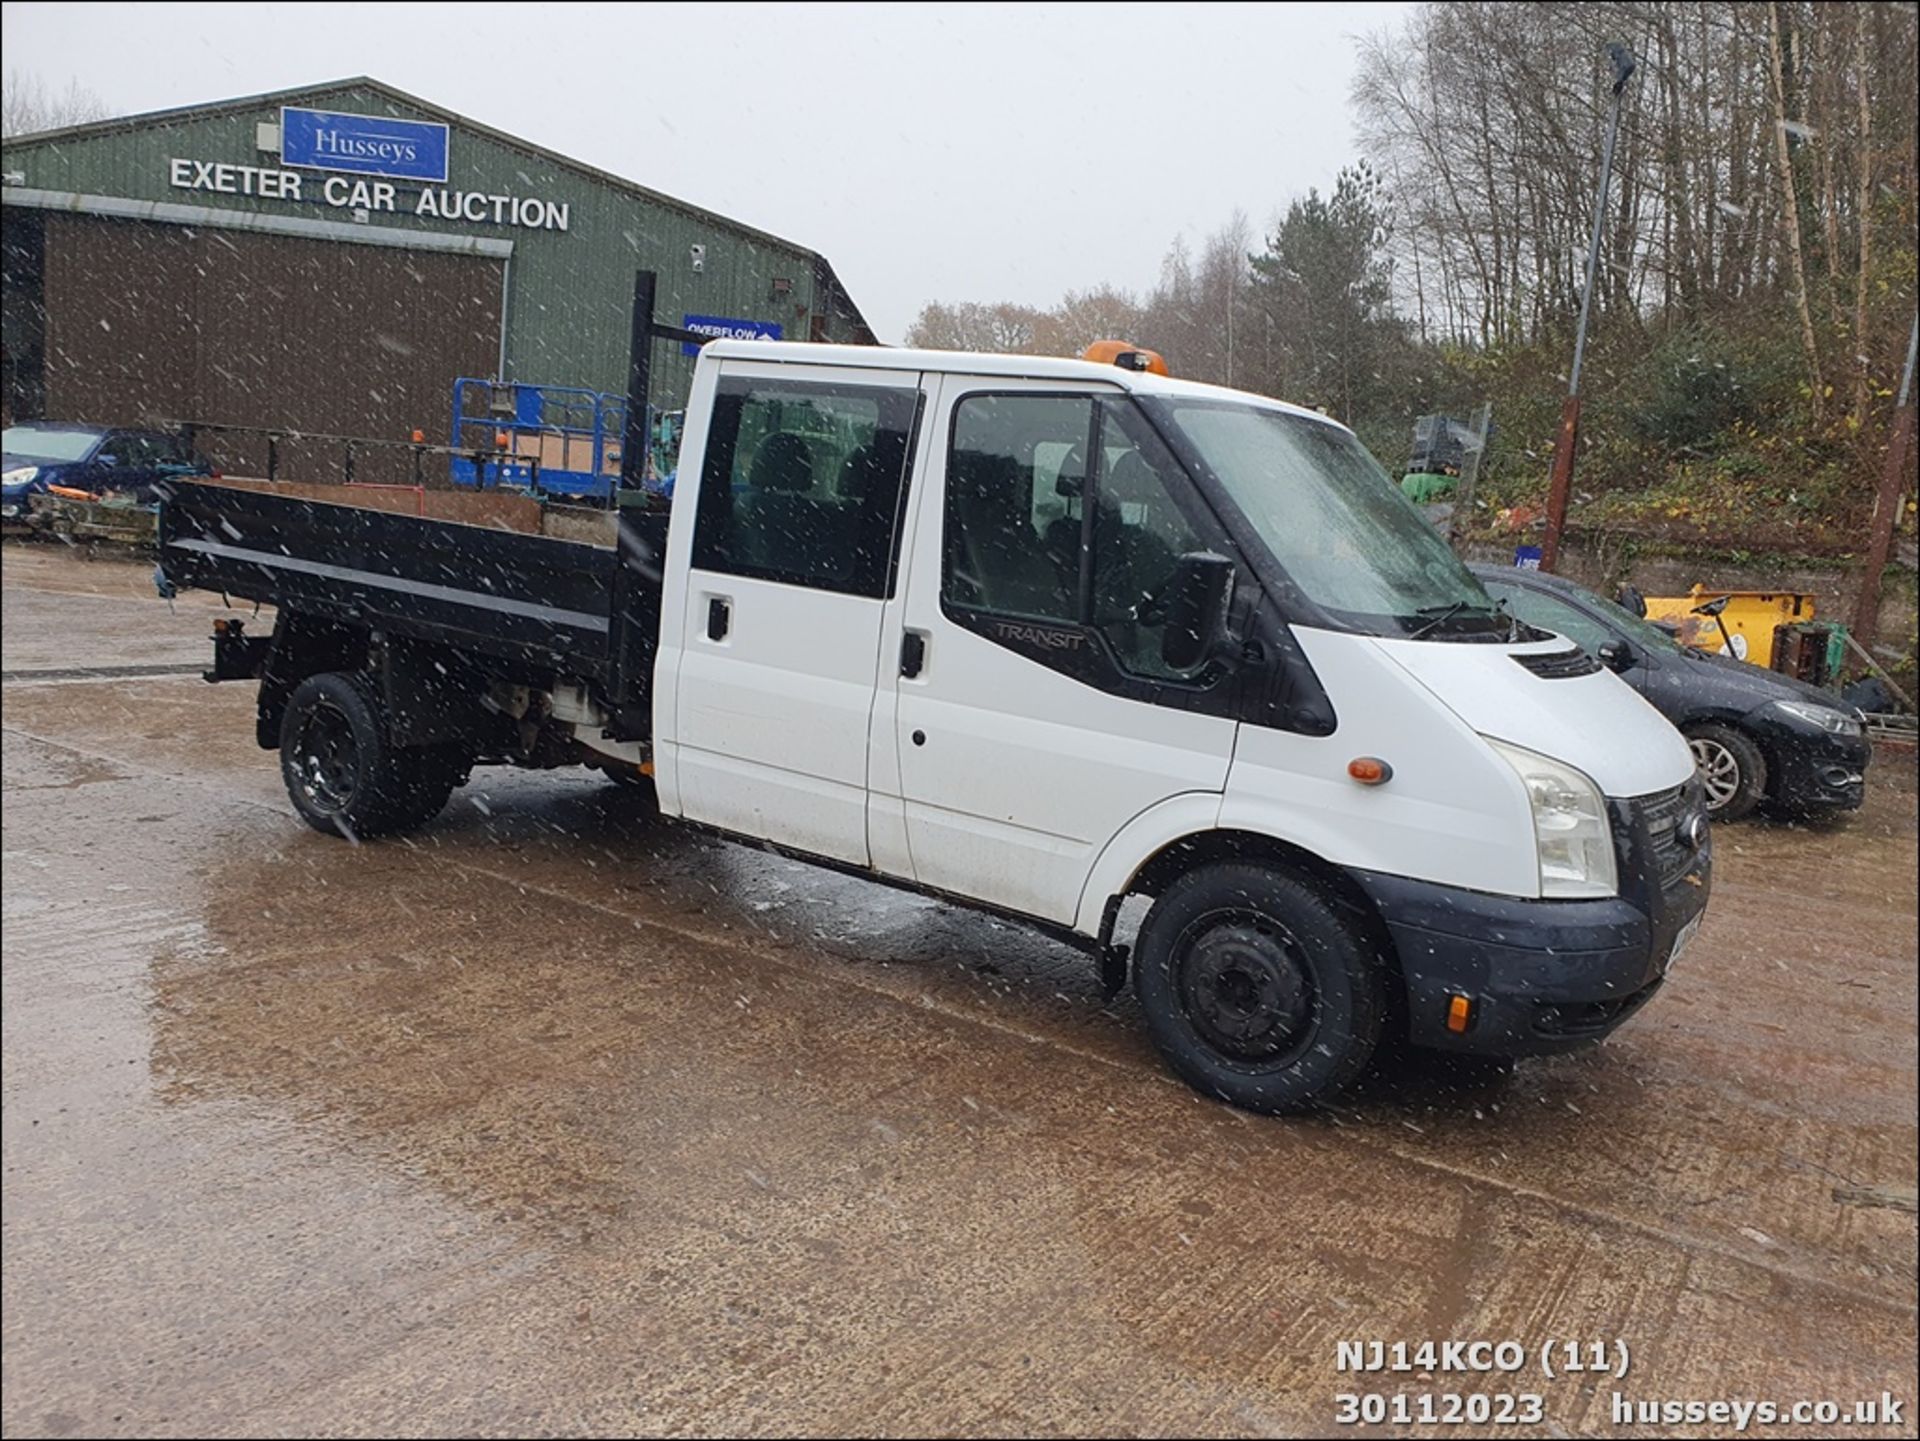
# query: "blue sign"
[[1526, 557], [364, 144], [722, 327]]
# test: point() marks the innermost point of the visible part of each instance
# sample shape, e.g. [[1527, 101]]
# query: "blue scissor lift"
[[555, 440]]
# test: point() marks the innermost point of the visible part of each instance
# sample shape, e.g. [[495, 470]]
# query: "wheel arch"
[[1729, 720], [1189, 852], [303, 645], [1181, 849]]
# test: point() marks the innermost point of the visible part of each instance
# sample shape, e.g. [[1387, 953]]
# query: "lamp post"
[[1562, 483]]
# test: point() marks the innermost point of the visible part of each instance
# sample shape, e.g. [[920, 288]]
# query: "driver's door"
[[1033, 714], [129, 461]]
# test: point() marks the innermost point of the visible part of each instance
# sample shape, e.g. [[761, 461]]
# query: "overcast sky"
[[931, 151]]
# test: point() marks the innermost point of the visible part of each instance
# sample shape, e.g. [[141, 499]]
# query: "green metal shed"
[[188, 261]]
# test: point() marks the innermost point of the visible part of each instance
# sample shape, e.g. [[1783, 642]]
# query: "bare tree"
[[1863, 160], [1790, 200], [28, 104], [1084, 316], [1003, 328]]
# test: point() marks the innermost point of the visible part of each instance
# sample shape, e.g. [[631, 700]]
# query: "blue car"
[[103, 459]]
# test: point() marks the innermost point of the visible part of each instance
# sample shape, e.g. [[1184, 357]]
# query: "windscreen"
[[1337, 525], [1640, 628], [32, 440]]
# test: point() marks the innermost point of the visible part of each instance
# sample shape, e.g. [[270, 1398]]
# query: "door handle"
[[719, 617], [913, 653]]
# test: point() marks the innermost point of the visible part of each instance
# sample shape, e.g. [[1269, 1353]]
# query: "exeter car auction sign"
[[363, 144], [366, 155]]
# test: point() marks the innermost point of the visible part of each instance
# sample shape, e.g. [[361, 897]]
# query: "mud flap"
[[1114, 960]]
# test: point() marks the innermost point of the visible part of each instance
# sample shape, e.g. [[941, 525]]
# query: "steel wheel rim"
[[326, 757], [1719, 771], [1247, 988]]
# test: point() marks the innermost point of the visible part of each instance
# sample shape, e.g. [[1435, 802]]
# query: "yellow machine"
[[1740, 623]]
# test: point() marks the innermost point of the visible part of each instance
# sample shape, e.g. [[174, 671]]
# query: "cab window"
[[1139, 535], [1015, 472], [1033, 532], [802, 484], [137, 449]]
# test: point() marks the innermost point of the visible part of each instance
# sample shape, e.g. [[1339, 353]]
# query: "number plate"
[[1683, 940]]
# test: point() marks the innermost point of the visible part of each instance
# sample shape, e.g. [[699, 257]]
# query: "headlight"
[[1570, 827], [20, 475], [1826, 718]]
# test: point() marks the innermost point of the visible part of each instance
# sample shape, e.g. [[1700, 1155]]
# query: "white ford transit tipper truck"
[[1035, 635]]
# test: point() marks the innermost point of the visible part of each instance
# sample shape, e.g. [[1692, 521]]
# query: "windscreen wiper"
[[1435, 616]]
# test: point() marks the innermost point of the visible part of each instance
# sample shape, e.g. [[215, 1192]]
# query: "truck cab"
[[1040, 636]]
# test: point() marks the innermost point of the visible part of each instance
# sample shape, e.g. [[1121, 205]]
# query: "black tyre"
[[1732, 770], [343, 774], [426, 777], [1258, 988], [628, 778], [632, 798]]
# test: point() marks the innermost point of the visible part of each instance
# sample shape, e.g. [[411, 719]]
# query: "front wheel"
[[1733, 773], [1258, 988]]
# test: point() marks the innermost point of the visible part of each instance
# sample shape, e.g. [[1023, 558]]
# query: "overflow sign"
[[723, 327]]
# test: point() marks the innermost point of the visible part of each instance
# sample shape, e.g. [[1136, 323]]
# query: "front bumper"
[[1542, 976], [1813, 770]]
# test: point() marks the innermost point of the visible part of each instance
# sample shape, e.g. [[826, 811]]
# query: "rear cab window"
[[803, 481]]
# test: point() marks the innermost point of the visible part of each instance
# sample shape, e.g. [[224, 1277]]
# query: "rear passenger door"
[[793, 558]]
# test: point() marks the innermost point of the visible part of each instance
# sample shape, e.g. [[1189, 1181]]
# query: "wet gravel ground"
[[554, 1119]]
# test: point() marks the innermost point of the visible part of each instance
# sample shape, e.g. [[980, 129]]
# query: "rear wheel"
[[1733, 773], [1258, 988], [342, 772]]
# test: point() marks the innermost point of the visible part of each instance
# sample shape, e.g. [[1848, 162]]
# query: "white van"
[[1041, 635]]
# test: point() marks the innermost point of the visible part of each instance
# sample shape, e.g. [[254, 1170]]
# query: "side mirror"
[[106, 458], [1198, 595], [1631, 599], [1616, 655]]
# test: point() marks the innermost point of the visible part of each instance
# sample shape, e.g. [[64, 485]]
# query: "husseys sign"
[[363, 144], [368, 155]]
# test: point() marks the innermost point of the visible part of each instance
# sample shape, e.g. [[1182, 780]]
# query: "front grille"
[[1668, 817], [1559, 664]]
